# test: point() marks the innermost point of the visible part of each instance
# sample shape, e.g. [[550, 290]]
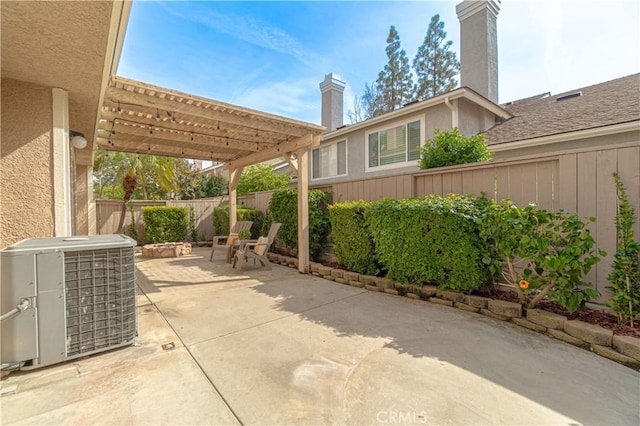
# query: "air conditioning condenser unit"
[[63, 298]]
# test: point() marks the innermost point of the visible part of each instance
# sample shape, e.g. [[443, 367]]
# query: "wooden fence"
[[579, 182]]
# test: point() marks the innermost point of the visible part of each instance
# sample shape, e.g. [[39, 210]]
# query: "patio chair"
[[225, 242], [256, 250]]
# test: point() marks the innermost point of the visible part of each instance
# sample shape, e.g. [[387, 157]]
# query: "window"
[[329, 160], [395, 145]]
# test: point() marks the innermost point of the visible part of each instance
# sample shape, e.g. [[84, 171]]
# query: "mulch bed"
[[591, 316]]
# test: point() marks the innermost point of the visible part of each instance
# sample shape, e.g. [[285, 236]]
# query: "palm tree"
[[153, 175]]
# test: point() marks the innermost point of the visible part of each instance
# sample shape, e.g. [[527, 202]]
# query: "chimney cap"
[[332, 81], [470, 7]]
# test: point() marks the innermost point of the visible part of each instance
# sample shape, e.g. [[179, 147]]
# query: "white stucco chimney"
[[479, 46], [332, 89]]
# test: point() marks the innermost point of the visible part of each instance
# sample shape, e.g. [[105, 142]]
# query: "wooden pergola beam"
[[199, 142], [188, 124], [140, 145], [166, 104], [307, 141]]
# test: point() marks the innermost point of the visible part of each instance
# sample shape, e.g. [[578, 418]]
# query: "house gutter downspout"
[[454, 111]]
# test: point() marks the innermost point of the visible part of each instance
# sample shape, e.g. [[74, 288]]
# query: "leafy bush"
[[261, 177], [221, 220], [625, 273], [448, 148], [430, 240], [353, 244], [165, 224], [541, 253], [283, 208]]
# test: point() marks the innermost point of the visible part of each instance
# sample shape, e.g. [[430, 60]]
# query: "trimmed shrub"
[[449, 148], [541, 253], [283, 208], [431, 240], [221, 220], [165, 224], [353, 244]]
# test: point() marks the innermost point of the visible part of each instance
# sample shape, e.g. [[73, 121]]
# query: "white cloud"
[[248, 28]]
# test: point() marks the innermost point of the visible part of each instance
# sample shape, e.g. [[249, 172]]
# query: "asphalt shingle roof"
[[604, 104]]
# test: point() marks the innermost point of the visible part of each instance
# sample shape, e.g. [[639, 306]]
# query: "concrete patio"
[[277, 347]]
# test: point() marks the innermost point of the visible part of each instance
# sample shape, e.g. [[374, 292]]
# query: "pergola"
[[140, 118]]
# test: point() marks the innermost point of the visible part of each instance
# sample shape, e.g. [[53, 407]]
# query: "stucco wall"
[[25, 162]]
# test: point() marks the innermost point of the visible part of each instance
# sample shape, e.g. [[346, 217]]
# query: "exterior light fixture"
[[77, 140]]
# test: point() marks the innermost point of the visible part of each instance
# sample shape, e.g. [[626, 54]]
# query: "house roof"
[[461, 92], [604, 104], [141, 118]]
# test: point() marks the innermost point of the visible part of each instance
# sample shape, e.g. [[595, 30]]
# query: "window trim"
[[387, 126], [346, 159]]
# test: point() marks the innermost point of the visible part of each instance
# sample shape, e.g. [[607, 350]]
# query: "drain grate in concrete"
[[169, 346]]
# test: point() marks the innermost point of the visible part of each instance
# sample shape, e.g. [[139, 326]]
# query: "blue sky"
[[271, 56]]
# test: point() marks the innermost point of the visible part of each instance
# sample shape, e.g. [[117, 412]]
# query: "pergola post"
[[303, 210], [234, 178]]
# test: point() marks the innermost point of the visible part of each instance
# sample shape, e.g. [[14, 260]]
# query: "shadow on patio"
[[325, 352]]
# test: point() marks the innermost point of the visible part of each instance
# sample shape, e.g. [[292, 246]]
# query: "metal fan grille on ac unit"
[[100, 299]]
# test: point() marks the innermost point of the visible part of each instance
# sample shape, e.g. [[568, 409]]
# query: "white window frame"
[[391, 125], [346, 159]]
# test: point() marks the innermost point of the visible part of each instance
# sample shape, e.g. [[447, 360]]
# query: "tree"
[[261, 177], [193, 184], [394, 84], [448, 148], [139, 176], [367, 106], [435, 65]]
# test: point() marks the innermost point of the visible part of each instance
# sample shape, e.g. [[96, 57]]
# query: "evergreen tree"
[[395, 82], [435, 65]]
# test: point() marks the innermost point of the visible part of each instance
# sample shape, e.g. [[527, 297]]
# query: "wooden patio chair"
[[225, 242], [256, 250]]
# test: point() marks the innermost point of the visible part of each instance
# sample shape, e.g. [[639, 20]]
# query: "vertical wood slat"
[[502, 183], [568, 182], [528, 186], [587, 199], [605, 213], [456, 183], [544, 187], [629, 171]]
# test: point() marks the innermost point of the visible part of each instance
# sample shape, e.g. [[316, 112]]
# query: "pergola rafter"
[[140, 118]]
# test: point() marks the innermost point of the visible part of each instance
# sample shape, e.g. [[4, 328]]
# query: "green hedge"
[[165, 224], [221, 220], [283, 208], [431, 240], [353, 244]]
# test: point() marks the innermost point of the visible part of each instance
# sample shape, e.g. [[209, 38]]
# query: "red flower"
[[524, 284]]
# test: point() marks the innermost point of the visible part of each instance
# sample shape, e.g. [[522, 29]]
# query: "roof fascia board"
[[564, 137], [120, 11]]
